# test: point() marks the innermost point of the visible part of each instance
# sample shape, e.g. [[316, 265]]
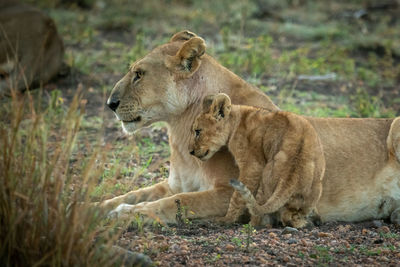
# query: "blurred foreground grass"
[[46, 181]]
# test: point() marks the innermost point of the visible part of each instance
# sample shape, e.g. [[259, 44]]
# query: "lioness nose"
[[113, 104]]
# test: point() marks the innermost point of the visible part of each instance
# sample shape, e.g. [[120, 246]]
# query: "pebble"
[[289, 230], [287, 236], [323, 234], [344, 228], [286, 258], [229, 247], [304, 242], [292, 241], [377, 223], [175, 247], [272, 235]]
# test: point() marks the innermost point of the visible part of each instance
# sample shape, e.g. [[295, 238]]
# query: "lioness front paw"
[[123, 211]]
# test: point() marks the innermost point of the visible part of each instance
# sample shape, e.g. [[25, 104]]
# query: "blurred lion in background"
[[31, 51]]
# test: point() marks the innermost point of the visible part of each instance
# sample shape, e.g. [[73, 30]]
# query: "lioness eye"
[[138, 75], [197, 132]]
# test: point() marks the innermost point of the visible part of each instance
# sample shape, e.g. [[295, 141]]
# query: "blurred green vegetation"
[[269, 43]]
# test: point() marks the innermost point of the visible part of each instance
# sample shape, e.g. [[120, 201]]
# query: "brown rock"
[[304, 242], [323, 234], [286, 258], [272, 235], [229, 247]]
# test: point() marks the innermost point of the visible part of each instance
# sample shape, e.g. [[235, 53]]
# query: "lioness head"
[[152, 89], [210, 129]]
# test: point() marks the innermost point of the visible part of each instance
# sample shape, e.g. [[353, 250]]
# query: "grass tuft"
[[45, 217]]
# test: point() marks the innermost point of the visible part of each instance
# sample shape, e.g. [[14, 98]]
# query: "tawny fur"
[[279, 155], [362, 175]]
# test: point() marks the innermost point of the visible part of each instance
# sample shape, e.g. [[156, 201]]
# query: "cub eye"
[[138, 75], [197, 132]]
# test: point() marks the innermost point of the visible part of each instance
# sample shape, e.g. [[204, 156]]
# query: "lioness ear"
[[182, 36], [221, 106], [188, 58]]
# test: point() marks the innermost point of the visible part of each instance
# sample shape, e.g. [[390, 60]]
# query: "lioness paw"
[[123, 211]]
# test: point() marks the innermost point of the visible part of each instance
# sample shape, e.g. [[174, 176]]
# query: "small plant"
[[178, 215], [389, 235], [237, 241], [322, 254], [248, 230], [138, 223]]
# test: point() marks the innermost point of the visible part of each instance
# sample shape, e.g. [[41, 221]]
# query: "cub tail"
[[279, 198]]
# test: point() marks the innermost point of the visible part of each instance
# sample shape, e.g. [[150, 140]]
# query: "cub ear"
[[221, 106], [182, 36], [207, 101], [188, 59]]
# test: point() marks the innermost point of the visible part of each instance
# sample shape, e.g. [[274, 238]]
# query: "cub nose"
[[113, 104], [192, 152]]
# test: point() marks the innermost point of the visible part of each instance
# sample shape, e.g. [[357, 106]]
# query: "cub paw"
[[395, 217]]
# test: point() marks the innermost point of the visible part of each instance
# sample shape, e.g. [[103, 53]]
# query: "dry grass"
[[45, 218]]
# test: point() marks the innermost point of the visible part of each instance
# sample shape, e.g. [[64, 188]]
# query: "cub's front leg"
[[195, 205]]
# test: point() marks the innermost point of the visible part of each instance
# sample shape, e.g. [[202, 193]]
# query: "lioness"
[[362, 174], [31, 51], [279, 155]]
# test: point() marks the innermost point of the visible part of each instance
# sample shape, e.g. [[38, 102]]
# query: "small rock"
[[383, 258], [377, 223], [364, 231], [344, 228], [286, 258], [384, 229], [175, 247], [304, 242], [323, 234], [289, 230], [272, 235], [229, 247], [292, 241], [287, 236]]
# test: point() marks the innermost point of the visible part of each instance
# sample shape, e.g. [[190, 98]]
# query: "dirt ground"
[[373, 243]]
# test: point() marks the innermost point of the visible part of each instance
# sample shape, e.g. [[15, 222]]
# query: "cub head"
[[210, 130], [153, 89]]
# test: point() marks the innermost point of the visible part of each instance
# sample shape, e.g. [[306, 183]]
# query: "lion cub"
[[279, 155]]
